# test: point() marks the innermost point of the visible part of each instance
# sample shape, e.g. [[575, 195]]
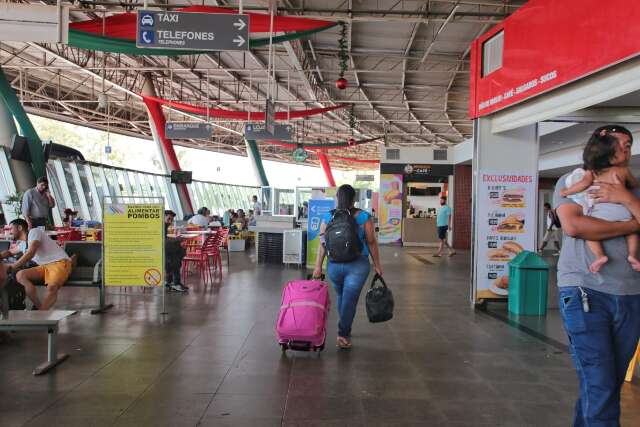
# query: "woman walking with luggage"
[[347, 237]]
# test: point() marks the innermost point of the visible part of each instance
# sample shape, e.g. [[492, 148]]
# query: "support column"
[[165, 146], [21, 171], [11, 101], [326, 167], [502, 162], [256, 161]]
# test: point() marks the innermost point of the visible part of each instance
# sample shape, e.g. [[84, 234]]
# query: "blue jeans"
[[348, 278], [603, 341]]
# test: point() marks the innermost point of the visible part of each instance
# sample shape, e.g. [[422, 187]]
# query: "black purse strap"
[[376, 278]]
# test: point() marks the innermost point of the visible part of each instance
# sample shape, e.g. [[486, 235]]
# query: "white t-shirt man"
[[257, 209], [199, 220], [48, 251]]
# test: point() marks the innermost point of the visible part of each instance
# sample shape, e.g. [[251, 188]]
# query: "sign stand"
[[133, 242]]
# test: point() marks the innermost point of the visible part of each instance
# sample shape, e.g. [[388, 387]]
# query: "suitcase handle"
[[310, 277]]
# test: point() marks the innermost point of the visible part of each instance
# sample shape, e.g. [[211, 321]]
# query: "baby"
[[604, 161]]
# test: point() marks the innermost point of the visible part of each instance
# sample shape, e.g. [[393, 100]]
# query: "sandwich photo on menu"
[[513, 198], [511, 224], [506, 252], [500, 286], [499, 255], [513, 247]]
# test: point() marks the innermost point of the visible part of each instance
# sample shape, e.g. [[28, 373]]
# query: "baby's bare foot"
[[598, 263], [635, 264]]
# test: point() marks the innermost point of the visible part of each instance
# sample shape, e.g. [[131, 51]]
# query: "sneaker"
[[178, 288], [185, 287]]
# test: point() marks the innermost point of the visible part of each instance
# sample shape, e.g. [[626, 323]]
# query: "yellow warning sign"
[[133, 244]]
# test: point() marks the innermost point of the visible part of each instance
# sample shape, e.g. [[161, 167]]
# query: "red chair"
[[224, 243], [68, 235], [213, 251], [198, 255]]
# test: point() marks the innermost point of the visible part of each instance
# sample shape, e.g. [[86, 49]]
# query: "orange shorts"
[[55, 273]]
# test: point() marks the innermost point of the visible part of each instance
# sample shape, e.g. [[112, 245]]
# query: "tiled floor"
[[213, 361]]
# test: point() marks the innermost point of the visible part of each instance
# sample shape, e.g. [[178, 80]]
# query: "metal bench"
[[88, 270], [87, 273], [20, 320], [4, 299]]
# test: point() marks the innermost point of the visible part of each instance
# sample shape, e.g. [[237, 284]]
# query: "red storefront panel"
[[548, 43]]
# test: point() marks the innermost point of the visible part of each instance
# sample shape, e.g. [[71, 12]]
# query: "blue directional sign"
[[258, 132], [188, 130], [192, 31]]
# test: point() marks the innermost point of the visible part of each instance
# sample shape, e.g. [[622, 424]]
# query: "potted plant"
[[15, 202]]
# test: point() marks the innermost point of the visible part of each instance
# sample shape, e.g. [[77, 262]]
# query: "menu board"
[[390, 209], [506, 225]]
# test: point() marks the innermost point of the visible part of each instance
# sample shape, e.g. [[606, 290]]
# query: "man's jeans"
[[348, 279], [603, 341]]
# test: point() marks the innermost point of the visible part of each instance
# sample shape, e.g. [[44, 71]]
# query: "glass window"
[[56, 189], [97, 180], [283, 201], [73, 192], [91, 199], [123, 187], [492, 54]]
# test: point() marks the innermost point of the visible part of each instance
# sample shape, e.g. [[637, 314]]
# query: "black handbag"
[[379, 301]]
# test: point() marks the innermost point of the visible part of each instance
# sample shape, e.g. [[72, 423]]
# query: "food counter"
[[269, 237], [419, 232]]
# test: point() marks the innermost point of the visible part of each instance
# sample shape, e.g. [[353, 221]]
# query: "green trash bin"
[[528, 284]]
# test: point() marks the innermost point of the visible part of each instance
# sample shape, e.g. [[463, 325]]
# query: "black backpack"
[[341, 236], [15, 293], [555, 219]]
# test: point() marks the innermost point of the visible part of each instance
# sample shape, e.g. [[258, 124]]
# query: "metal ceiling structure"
[[408, 76]]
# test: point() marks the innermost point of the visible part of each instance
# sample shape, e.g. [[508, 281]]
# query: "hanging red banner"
[[123, 25], [241, 115]]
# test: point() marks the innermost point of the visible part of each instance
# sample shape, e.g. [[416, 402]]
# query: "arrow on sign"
[[240, 24], [239, 41]]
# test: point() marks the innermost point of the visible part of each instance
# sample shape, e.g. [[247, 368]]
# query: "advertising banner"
[[506, 226], [317, 210], [133, 242], [390, 212]]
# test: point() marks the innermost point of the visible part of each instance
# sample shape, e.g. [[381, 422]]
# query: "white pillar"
[[21, 171], [506, 161]]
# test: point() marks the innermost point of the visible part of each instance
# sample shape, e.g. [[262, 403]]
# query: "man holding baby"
[[598, 272]]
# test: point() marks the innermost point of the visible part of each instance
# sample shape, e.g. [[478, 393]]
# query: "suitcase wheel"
[[283, 347]]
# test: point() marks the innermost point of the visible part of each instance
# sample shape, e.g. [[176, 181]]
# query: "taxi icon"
[[147, 20]]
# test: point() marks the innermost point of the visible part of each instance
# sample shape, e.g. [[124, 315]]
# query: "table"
[[54, 233], [189, 235], [19, 320]]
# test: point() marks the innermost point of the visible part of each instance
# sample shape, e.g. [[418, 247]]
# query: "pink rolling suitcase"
[[302, 321]]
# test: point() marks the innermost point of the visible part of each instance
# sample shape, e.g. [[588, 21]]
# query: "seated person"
[[173, 255], [252, 218], [54, 265], [15, 251], [242, 219], [201, 219], [69, 217], [226, 218]]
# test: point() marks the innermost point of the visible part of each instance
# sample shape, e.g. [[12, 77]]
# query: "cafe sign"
[[412, 169]]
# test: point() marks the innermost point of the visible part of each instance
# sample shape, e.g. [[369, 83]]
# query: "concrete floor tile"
[[214, 361]]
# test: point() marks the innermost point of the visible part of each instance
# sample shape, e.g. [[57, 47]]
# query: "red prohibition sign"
[[152, 277]]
